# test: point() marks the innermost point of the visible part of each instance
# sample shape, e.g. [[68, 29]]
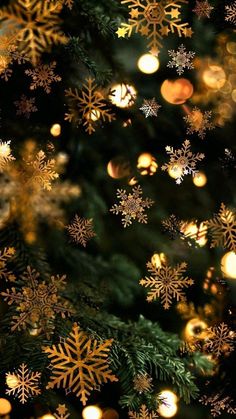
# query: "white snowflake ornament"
[[150, 107], [181, 59]]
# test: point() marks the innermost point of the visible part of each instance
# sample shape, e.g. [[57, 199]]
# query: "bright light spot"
[[122, 95], [196, 233], [169, 408], [47, 416], [148, 63], [214, 77], [92, 412], [194, 328], [200, 179], [94, 115], [5, 407], [55, 130], [12, 381], [175, 171], [158, 260], [228, 265], [147, 164]]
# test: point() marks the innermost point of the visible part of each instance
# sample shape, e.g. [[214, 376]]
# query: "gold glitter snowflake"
[[132, 206], [61, 412], [142, 383], [144, 413], [182, 161], [5, 154], [81, 230], [167, 283], [154, 19], [5, 254], [79, 364], [219, 340], [42, 170], [25, 106], [23, 383], [231, 13], [43, 76], [8, 54], [87, 106], [37, 302], [203, 9], [199, 122], [219, 404], [222, 228], [36, 24]]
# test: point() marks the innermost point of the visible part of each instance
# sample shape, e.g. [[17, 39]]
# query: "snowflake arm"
[[231, 13], [219, 340], [43, 76], [61, 412], [43, 171], [150, 107], [24, 383], [199, 122], [25, 106], [222, 229]]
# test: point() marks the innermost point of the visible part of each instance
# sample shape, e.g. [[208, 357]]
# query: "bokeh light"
[[5, 406], [228, 265], [92, 412], [147, 164], [200, 179], [55, 130], [148, 63], [122, 95], [176, 92], [214, 77], [169, 407], [194, 328]]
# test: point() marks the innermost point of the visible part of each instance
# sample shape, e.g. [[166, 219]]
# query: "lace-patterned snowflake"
[[219, 404], [5, 154], [230, 11], [154, 19], [219, 340], [25, 106], [150, 107], [61, 412], [37, 302], [203, 9], [5, 254], [142, 383], [181, 59], [199, 122], [182, 161], [23, 383], [167, 283], [81, 230], [87, 106], [222, 229], [79, 364], [43, 76], [144, 413], [132, 206]]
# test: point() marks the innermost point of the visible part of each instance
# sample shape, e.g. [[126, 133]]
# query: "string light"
[[91, 412], [200, 179], [55, 130], [169, 408], [228, 265], [5, 406], [123, 95], [148, 63]]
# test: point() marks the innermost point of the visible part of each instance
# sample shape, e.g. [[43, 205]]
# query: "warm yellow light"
[[123, 95], [133, 181], [55, 130], [158, 260], [92, 412], [5, 407], [47, 416], [200, 179], [214, 77], [169, 408], [94, 115], [228, 265], [12, 381], [175, 171], [147, 164], [194, 328], [196, 233], [118, 168], [148, 63]]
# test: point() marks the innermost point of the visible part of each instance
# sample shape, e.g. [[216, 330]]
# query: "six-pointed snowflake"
[[144, 413], [25, 106], [43, 76], [231, 13], [79, 364], [222, 228], [81, 230], [219, 403], [203, 9], [142, 383], [154, 19], [5, 254], [167, 283], [181, 59], [182, 161], [172, 226], [23, 383], [219, 340], [5, 154], [150, 107], [199, 122], [132, 206], [61, 412], [41, 171]]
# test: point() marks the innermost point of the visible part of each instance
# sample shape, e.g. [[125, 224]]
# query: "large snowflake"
[[132, 206], [181, 59], [154, 19], [183, 161], [143, 413], [43, 76], [222, 228], [203, 9], [5, 254], [5, 154], [219, 340], [167, 283], [142, 383], [79, 364], [81, 230], [231, 13], [199, 122], [23, 383]]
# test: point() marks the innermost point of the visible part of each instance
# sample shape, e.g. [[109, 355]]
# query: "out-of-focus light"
[[200, 179], [176, 92], [228, 265], [47, 416], [194, 328], [91, 412], [118, 168], [93, 115], [55, 130], [175, 171], [214, 77], [148, 63], [196, 233], [5, 406], [147, 164], [231, 47], [169, 408], [133, 181], [122, 95], [12, 381], [158, 260]]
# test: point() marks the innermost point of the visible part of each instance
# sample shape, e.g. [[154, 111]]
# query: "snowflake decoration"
[[132, 206], [38, 302], [79, 364], [36, 24], [222, 229], [218, 404], [81, 230], [23, 383], [182, 161], [43, 76], [142, 383], [8, 54], [167, 283], [172, 226], [231, 13], [203, 9], [154, 19], [181, 59], [6, 254], [150, 107], [88, 106], [42, 173], [61, 412], [5, 154], [219, 340], [143, 413], [199, 122], [25, 106]]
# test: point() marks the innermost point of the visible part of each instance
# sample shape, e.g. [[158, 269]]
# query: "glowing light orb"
[[176, 92], [55, 130], [47, 416], [92, 412], [123, 95], [158, 260], [5, 407], [214, 77], [169, 408], [228, 265], [12, 381], [200, 179], [194, 328], [148, 63]]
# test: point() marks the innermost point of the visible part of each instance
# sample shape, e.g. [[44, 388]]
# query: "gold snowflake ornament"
[[5, 154], [154, 20], [219, 340], [166, 283], [25, 106], [87, 106], [203, 9], [61, 412], [23, 383], [132, 206], [199, 122], [81, 230], [222, 229], [38, 302], [5, 254], [142, 383], [230, 15], [218, 404], [183, 161], [181, 59], [79, 364], [42, 171], [43, 76], [144, 413]]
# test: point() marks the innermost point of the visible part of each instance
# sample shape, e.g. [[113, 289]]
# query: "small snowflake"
[[199, 122], [203, 9], [144, 413], [222, 228], [150, 107], [23, 383], [43, 76], [182, 161], [25, 106], [81, 230], [181, 59], [5, 154], [231, 13], [219, 340], [172, 226], [132, 206], [142, 383], [166, 282]]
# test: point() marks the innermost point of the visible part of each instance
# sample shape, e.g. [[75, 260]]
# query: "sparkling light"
[[228, 265], [94, 115], [92, 412], [200, 179], [169, 408], [55, 130], [5, 407], [148, 63], [123, 95]]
